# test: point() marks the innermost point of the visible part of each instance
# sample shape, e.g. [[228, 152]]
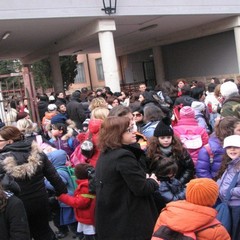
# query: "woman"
[[28, 166], [124, 203]]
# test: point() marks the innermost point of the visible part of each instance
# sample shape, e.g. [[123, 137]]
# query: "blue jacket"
[[226, 179], [204, 167]]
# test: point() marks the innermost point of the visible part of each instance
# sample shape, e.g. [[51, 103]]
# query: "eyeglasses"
[[137, 114]]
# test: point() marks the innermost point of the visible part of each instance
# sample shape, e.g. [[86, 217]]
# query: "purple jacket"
[[205, 169], [226, 179]]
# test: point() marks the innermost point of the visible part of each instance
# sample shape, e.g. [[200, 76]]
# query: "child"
[[165, 144], [229, 168], [83, 203], [62, 138], [193, 216], [170, 188]]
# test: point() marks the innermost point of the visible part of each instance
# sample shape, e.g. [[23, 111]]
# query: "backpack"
[[70, 171], [209, 151], [166, 233], [191, 140]]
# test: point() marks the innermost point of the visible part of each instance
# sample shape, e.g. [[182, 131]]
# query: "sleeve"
[[203, 167], [134, 175], [165, 192], [52, 176], [77, 201], [17, 219], [61, 174], [187, 169]]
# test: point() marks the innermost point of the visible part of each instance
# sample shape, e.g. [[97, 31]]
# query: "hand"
[[153, 176]]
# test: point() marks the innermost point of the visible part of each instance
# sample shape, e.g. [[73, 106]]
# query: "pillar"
[[237, 42], [109, 60], [158, 64], [56, 73]]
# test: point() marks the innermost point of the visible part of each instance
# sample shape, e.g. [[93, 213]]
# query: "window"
[[80, 77], [99, 67]]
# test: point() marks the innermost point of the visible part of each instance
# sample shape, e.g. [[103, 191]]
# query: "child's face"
[[55, 132], [165, 141], [233, 152]]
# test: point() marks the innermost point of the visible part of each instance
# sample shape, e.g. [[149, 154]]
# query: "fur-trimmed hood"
[[21, 159]]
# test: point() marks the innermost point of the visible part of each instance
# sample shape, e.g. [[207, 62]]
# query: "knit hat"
[[187, 112], [231, 141], [198, 106], [51, 98], [76, 95], [52, 107], [228, 89], [163, 128], [202, 191]]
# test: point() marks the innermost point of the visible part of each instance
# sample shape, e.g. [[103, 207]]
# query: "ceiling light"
[[147, 28], [109, 6], [5, 35]]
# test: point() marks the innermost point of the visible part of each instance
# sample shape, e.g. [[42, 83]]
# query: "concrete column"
[[109, 60], [56, 73], [237, 41], [158, 64]]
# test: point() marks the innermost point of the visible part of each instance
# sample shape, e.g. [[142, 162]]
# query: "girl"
[[170, 188], [165, 144], [210, 155], [229, 168], [62, 138]]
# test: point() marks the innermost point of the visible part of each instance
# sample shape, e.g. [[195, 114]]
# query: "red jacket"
[[183, 126], [83, 203]]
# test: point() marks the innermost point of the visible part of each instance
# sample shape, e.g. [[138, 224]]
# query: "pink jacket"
[[189, 126]]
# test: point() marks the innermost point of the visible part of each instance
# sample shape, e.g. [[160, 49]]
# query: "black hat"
[[164, 128]]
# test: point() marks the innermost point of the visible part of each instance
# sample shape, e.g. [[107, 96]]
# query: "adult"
[[23, 161], [42, 104], [142, 87], [231, 104], [75, 110], [185, 99], [60, 99], [124, 202]]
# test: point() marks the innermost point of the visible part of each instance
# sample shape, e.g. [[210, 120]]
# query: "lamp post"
[[109, 6]]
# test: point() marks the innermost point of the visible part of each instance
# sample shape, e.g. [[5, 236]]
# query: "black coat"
[[125, 208], [75, 112], [13, 221], [28, 166]]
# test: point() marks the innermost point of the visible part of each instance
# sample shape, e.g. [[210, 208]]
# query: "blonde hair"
[[97, 102], [26, 126], [99, 113]]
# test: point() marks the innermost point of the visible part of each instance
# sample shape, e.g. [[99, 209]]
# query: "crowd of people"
[[150, 164]]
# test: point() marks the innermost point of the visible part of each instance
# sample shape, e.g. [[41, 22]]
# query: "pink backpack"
[[77, 157]]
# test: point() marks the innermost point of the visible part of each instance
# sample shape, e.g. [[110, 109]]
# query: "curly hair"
[[154, 152], [97, 102]]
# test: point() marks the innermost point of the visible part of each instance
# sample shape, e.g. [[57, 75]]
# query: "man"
[[142, 87]]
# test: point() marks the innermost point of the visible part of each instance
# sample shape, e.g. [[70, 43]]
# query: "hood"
[[94, 125], [233, 99], [57, 157], [177, 215], [19, 146], [21, 164]]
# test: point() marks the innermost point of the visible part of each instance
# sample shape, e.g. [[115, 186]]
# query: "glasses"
[[137, 114]]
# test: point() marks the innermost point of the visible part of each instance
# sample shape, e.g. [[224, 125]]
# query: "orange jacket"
[[182, 216]]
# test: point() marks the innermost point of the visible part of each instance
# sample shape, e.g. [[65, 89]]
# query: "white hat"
[[232, 141], [198, 106], [228, 88], [52, 107], [51, 98]]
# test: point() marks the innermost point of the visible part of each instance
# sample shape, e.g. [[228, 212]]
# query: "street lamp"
[[109, 6]]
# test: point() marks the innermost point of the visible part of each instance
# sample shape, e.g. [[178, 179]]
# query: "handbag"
[[224, 212]]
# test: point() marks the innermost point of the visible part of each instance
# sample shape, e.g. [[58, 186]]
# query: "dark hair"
[[111, 99], [111, 132], [211, 87], [61, 127], [186, 90], [152, 113], [216, 80], [164, 166], [224, 163], [197, 92], [81, 170], [154, 151], [11, 133]]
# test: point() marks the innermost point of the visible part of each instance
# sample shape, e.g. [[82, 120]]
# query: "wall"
[[212, 55]]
